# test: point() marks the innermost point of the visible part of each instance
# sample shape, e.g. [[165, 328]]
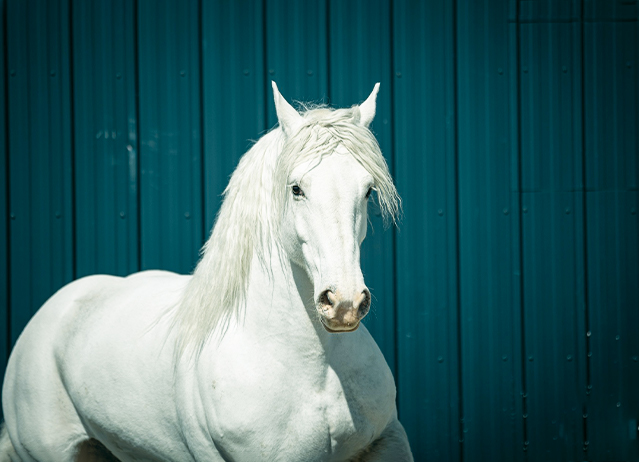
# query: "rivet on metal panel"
[[525, 209], [567, 210], [585, 416], [129, 147], [98, 135], [309, 72], [183, 73], [122, 215], [589, 387], [440, 212], [569, 357], [588, 334], [440, 359], [271, 71], [617, 337], [500, 71], [187, 215], [564, 69], [398, 74], [12, 72], [52, 73], [618, 404], [525, 69], [590, 354], [530, 358], [13, 216], [505, 211], [504, 358], [118, 76]]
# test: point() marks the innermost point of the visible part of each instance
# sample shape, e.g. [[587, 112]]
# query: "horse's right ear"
[[290, 120]]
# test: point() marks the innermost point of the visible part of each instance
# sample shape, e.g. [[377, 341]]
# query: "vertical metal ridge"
[[460, 399], [328, 51], [584, 216], [391, 33], [200, 34], [522, 321], [7, 166], [265, 65], [74, 253], [136, 58]]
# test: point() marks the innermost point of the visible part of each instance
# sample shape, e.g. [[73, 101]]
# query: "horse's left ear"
[[367, 108]]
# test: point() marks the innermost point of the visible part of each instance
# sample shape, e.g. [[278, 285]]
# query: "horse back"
[[101, 346]]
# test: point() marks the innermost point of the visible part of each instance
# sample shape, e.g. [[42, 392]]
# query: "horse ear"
[[367, 108], [288, 117]]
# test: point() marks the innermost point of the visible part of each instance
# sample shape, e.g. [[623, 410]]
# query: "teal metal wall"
[[507, 304]]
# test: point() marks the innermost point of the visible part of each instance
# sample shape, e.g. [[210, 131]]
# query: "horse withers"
[[260, 355]]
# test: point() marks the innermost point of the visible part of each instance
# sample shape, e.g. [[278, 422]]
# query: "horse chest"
[[279, 412]]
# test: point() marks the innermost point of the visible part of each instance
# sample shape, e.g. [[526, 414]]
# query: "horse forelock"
[[247, 223]]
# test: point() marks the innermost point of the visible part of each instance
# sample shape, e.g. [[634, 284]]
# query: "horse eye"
[[368, 193], [297, 191]]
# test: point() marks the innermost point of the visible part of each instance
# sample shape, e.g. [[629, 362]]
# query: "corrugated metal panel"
[[105, 131], [549, 10], [296, 50], [489, 234], [613, 295], [235, 96], [612, 177], [170, 134], [357, 28], [39, 155], [553, 239], [460, 80], [598, 10], [423, 48]]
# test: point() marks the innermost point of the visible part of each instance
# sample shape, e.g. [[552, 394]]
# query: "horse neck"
[[280, 301]]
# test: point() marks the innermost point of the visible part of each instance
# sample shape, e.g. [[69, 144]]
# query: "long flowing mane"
[[247, 224]]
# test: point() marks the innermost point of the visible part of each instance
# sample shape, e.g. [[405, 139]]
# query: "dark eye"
[[368, 193], [297, 191]]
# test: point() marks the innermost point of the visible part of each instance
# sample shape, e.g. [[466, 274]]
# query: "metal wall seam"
[[489, 241], [105, 159], [553, 236], [296, 51], [234, 92], [424, 98], [355, 29], [171, 225], [4, 199], [40, 155], [612, 180]]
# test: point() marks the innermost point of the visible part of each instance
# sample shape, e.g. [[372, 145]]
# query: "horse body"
[[157, 366]]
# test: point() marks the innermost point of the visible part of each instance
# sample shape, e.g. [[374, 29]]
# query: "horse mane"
[[248, 221]]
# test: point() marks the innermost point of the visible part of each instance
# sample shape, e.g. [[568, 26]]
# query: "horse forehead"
[[339, 169]]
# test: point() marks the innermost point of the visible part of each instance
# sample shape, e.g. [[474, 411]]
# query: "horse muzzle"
[[340, 314]]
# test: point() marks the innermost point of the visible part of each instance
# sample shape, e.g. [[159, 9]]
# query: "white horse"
[[246, 360]]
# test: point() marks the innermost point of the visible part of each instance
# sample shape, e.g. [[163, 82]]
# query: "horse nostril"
[[327, 298], [365, 304]]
